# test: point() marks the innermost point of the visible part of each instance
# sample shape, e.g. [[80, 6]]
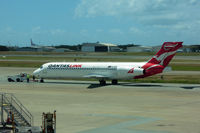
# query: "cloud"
[[153, 19], [40, 31], [135, 30], [57, 32], [92, 8], [141, 11], [84, 32], [115, 31], [7, 29], [36, 30], [99, 30]]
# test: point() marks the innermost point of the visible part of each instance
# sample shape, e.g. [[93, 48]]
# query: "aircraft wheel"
[[18, 80], [102, 82], [9, 80], [41, 80], [114, 82]]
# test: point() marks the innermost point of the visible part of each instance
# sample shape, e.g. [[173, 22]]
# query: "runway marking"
[[122, 127]]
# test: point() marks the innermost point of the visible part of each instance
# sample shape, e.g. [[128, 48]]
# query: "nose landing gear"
[[114, 82], [41, 80]]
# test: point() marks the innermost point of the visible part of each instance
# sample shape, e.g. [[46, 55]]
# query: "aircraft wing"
[[97, 76]]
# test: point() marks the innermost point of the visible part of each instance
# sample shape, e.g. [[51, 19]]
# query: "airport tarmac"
[[86, 107]]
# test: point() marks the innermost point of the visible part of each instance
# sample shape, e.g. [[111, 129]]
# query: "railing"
[[16, 105]]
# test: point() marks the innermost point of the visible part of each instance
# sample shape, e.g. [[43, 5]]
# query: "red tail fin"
[[166, 53], [161, 59]]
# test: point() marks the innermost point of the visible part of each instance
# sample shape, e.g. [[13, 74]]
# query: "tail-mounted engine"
[[137, 71], [129, 72]]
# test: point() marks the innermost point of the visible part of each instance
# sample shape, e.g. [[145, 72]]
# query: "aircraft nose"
[[36, 73]]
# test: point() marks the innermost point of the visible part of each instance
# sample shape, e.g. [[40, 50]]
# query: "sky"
[[71, 22]]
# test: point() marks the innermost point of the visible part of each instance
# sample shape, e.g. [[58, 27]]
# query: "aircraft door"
[[44, 72]]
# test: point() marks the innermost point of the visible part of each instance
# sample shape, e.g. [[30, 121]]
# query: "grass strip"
[[177, 67], [91, 53]]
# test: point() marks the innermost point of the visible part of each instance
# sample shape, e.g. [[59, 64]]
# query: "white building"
[[45, 49], [139, 49], [62, 50], [99, 47]]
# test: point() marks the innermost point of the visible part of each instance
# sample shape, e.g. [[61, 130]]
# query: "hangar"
[[99, 47], [139, 48]]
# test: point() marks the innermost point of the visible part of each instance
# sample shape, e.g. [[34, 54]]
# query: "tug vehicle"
[[18, 78]]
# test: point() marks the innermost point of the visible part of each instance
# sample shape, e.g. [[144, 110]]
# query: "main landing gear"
[[103, 82], [114, 82]]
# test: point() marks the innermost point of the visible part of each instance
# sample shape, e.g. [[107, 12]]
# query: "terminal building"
[[99, 47], [139, 48]]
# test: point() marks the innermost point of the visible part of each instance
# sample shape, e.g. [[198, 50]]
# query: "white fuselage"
[[103, 70], [110, 70]]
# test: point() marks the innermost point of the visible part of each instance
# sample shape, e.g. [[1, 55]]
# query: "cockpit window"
[[41, 67]]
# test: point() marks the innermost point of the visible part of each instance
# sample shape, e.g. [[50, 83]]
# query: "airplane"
[[33, 44], [113, 71], [44, 48]]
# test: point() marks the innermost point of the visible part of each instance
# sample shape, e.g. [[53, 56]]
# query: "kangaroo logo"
[[169, 46], [131, 70]]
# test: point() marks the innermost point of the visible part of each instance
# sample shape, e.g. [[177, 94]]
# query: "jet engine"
[[129, 72], [138, 71]]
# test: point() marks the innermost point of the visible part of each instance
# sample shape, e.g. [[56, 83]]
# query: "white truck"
[[18, 78]]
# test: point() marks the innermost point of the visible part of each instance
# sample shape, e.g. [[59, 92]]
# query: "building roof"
[[109, 44], [99, 44], [139, 46]]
